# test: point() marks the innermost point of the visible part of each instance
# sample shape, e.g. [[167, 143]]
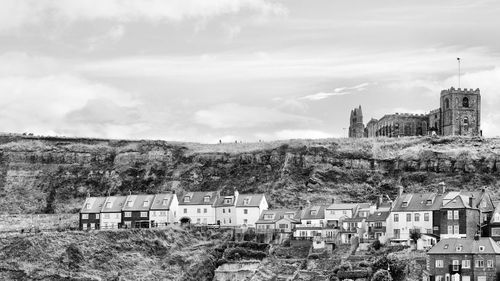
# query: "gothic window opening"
[[465, 102], [446, 103], [466, 121]]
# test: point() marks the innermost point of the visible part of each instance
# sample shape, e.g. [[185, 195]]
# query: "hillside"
[[49, 174]]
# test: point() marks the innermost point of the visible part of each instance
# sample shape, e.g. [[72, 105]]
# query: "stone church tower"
[[356, 128], [460, 112]]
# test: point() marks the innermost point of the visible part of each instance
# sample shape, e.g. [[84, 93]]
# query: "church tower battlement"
[[461, 112], [356, 127]]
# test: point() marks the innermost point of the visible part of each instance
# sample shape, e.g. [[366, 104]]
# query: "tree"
[[415, 235], [382, 275]]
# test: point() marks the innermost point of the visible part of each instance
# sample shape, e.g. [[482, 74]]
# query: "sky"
[[245, 70]]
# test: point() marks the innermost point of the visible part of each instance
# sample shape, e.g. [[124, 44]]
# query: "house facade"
[[198, 207], [337, 212], [111, 212], [163, 210], [377, 225], [281, 220], [462, 259], [90, 213], [312, 222], [495, 224], [135, 211], [249, 207], [225, 210]]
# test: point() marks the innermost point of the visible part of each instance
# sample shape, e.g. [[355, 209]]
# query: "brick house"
[[135, 212], [456, 259], [90, 213]]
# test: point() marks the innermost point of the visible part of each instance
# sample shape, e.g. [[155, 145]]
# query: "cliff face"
[[55, 174]]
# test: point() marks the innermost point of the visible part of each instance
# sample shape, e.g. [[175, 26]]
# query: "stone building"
[[356, 127], [459, 114]]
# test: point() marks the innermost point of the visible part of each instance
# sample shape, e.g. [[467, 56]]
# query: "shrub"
[[313, 256], [364, 264], [346, 266], [242, 253], [376, 245], [382, 275], [286, 243]]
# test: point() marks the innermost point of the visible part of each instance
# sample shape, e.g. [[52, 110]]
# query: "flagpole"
[[458, 59]]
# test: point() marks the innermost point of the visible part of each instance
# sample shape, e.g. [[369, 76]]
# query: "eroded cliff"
[[42, 174]]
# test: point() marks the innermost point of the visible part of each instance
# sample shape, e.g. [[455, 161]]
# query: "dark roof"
[[220, 201], [378, 216], [159, 200], [197, 198], [418, 202], [115, 206], [461, 199], [138, 202], [254, 200], [93, 205], [307, 213], [468, 246], [354, 219], [277, 215]]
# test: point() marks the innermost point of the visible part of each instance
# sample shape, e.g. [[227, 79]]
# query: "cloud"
[[18, 13], [336, 92], [233, 115], [114, 34]]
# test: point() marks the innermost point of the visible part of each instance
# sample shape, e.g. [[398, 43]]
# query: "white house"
[[281, 220], [337, 212], [163, 211], [198, 207], [225, 210], [312, 222], [111, 212], [249, 208]]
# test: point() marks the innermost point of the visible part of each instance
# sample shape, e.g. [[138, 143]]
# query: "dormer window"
[[268, 216], [187, 199], [164, 202], [108, 205], [206, 199], [445, 246], [87, 205], [405, 204], [481, 248], [314, 212], [289, 215], [227, 200], [428, 202], [145, 203], [246, 201], [459, 248], [129, 203]]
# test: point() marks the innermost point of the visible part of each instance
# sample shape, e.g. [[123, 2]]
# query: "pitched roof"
[[496, 213], [417, 202], [113, 204], [342, 206], [221, 201], [197, 198], [378, 216], [138, 202], [465, 246], [92, 205], [254, 200], [162, 201], [278, 214], [314, 212]]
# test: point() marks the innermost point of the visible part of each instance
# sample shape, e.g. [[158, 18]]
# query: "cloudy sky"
[[198, 70]]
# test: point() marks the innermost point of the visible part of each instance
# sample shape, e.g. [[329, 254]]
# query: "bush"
[[286, 243], [242, 253], [364, 264], [346, 266], [376, 245], [382, 275], [313, 256]]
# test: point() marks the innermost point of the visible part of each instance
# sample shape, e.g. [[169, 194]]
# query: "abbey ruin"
[[459, 114]]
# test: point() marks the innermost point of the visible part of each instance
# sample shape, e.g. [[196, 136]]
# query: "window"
[[145, 203], [450, 229], [439, 263], [495, 231], [459, 248], [396, 217], [246, 201], [129, 203], [128, 214], [417, 217], [450, 215], [198, 211], [466, 264], [466, 120], [489, 263], [245, 211], [223, 210], [479, 263], [455, 215], [429, 201], [185, 210], [85, 216], [456, 265], [426, 217], [164, 202], [446, 103], [87, 206], [206, 199], [445, 246], [229, 210], [439, 278], [408, 217], [96, 216], [245, 221], [227, 200], [144, 214], [313, 212], [205, 210], [92, 226], [308, 222], [268, 216], [344, 212], [404, 205], [229, 220], [163, 214], [187, 198], [481, 248], [455, 229], [198, 220], [108, 205], [465, 102]]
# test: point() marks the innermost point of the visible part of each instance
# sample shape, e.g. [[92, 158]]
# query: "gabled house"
[[90, 213], [198, 207], [136, 211], [281, 220], [461, 259], [415, 212], [163, 210], [111, 212], [312, 222], [225, 210], [495, 223], [377, 225], [337, 212], [249, 207], [356, 226]]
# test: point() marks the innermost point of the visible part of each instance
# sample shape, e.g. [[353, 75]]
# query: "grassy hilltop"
[[47, 175]]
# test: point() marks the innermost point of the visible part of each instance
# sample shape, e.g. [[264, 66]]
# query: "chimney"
[[333, 200], [236, 194], [476, 237], [442, 188], [400, 191], [471, 199]]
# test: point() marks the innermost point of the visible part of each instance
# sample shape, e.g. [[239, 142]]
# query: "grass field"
[[16, 222]]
